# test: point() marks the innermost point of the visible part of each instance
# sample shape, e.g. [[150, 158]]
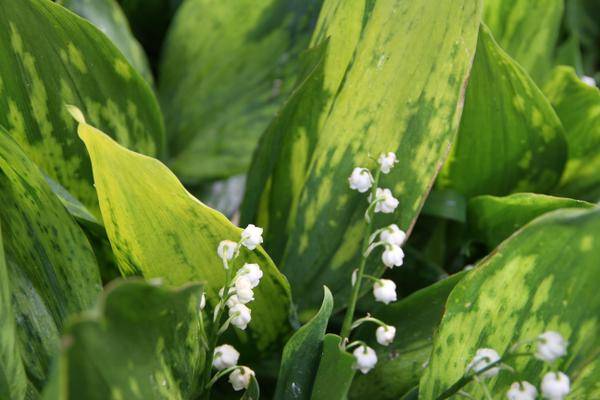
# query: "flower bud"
[[555, 386], [243, 290], [384, 291], [252, 272], [225, 356], [360, 179], [393, 235], [226, 249], [240, 316], [202, 301], [366, 359], [240, 378], [550, 346], [392, 256], [386, 202], [385, 335], [482, 359], [521, 391], [387, 161], [252, 237]]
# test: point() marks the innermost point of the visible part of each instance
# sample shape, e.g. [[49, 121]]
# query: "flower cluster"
[[390, 238], [234, 296], [549, 346]]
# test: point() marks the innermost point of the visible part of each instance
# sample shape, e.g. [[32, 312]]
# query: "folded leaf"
[[157, 229], [143, 342], [51, 57], [492, 219], [527, 30], [226, 69], [108, 16], [578, 107], [335, 372], [510, 138], [301, 354], [52, 269], [369, 86], [533, 282]]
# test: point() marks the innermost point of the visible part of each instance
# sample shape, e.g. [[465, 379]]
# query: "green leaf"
[[585, 385], [527, 30], [510, 138], [108, 16], [578, 107], [493, 219], [220, 89], [401, 364], [448, 204], [533, 282], [253, 391], [335, 372], [51, 57], [74, 206], [301, 354], [142, 342], [52, 269], [369, 86], [13, 381], [157, 229]]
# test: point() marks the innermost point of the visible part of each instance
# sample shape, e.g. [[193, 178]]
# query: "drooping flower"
[[386, 162], [366, 359], [252, 236], [240, 316], [202, 301], [225, 356], [240, 378], [384, 291], [252, 272], [550, 346], [360, 179], [226, 249], [243, 290], [555, 386], [392, 256], [385, 335], [521, 391], [483, 358], [386, 202], [393, 235]]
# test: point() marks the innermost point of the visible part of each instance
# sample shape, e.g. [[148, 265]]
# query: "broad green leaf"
[[533, 282], [73, 206], [51, 57], [578, 107], [510, 138], [370, 85], [13, 381], [492, 219], [448, 204], [527, 30], [142, 342], [301, 354], [335, 372], [226, 69], [157, 229], [401, 364], [52, 269], [108, 16], [586, 384]]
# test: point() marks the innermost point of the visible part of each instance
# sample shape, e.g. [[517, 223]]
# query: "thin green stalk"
[[347, 325]]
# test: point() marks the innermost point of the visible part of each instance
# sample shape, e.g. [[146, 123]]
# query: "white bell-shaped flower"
[[202, 301], [386, 202], [240, 316], [483, 358], [226, 250], [252, 236], [550, 346], [385, 335], [386, 162], [366, 359], [225, 356], [240, 378], [232, 299], [588, 80], [360, 179], [392, 256], [555, 386], [243, 290], [384, 291], [393, 235], [521, 391], [252, 272]]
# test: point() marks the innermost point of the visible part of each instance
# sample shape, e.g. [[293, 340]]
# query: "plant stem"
[[347, 325]]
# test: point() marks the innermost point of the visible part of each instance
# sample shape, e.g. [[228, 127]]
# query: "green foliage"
[[335, 366]]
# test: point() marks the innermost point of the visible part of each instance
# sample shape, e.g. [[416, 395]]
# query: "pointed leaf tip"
[[75, 113]]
